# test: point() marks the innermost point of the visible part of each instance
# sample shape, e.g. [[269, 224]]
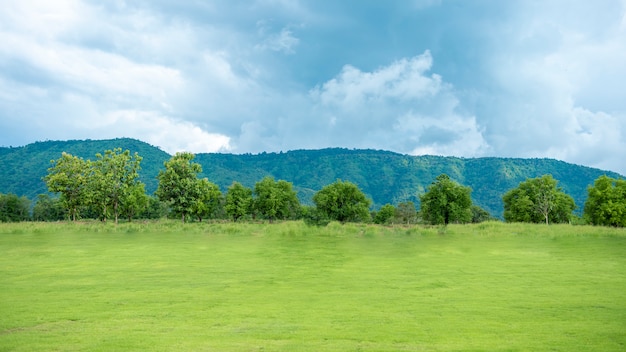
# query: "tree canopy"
[[385, 214], [446, 202], [113, 182], [275, 199], [14, 208], [538, 200], [606, 203], [238, 201], [343, 201], [68, 176], [179, 185], [208, 201]]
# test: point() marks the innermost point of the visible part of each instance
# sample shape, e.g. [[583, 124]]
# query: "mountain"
[[386, 177], [22, 168]]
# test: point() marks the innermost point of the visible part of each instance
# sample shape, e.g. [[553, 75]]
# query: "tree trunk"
[[115, 206]]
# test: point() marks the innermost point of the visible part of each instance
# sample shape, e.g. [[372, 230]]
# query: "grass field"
[[288, 287]]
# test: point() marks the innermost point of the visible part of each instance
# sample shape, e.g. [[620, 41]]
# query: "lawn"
[[288, 287]]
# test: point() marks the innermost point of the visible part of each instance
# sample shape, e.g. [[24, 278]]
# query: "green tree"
[[68, 176], [480, 215], [238, 201], [14, 208], [135, 201], [446, 202], [113, 182], [538, 200], [155, 209], [406, 213], [312, 216], [48, 208], [343, 201], [178, 184], [606, 202], [208, 201], [275, 199], [385, 214]]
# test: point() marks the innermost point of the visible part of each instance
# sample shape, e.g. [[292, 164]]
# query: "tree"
[[314, 217], [68, 176], [14, 208], [238, 201], [155, 209], [135, 201], [385, 214], [48, 208], [480, 215], [406, 213], [208, 201], [343, 202], [178, 183], [606, 202], [275, 200], [538, 200], [446, 202], [113, 181]]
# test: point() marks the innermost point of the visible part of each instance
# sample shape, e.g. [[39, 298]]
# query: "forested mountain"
[[22, 168], [386, 177]]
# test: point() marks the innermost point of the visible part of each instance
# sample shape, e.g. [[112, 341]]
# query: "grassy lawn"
[[289, 287]]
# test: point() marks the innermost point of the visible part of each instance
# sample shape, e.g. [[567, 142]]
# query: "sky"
[[465, 78]]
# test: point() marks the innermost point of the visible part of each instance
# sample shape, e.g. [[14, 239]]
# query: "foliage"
[[275, 199], [446, 202], [538, 200], [135, 201], [48, 209], [14, 208], [24, 167], [385, 177], [606, 203], [480, 215], [385, 214], [238, 201], [113, 183], [312, 216], [179, 185], [343, 201], [208, 201], [155, 209], [405, 213], [68, 176]]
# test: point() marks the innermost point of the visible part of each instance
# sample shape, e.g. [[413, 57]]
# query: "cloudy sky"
[[465, 78]]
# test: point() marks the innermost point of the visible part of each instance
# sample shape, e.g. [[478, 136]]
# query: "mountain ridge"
[[384, 176]]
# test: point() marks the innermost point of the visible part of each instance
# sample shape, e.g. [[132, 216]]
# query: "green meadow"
[[166, 286]]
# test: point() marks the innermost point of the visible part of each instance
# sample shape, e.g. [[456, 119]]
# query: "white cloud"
[[284, 41], [404, 80], [532, 80], [558, 84], [171, 135], [401, 107]]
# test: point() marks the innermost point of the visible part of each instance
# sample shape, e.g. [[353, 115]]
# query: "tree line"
[[108, 188]]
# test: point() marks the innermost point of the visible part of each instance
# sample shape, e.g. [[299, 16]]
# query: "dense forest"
[[385, 177]]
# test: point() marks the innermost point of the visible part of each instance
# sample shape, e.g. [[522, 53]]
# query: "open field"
[[289, 287]]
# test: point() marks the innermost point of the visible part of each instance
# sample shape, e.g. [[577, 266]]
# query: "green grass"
[[289, 287]]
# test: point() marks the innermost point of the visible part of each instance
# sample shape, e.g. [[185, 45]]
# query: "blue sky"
[[462, 78]]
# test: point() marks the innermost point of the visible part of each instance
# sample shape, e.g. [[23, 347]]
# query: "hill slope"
[[385, 177], [23, 167]]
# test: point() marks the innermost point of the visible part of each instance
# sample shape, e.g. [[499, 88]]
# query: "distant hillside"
[[385, 177], [23, 167]]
